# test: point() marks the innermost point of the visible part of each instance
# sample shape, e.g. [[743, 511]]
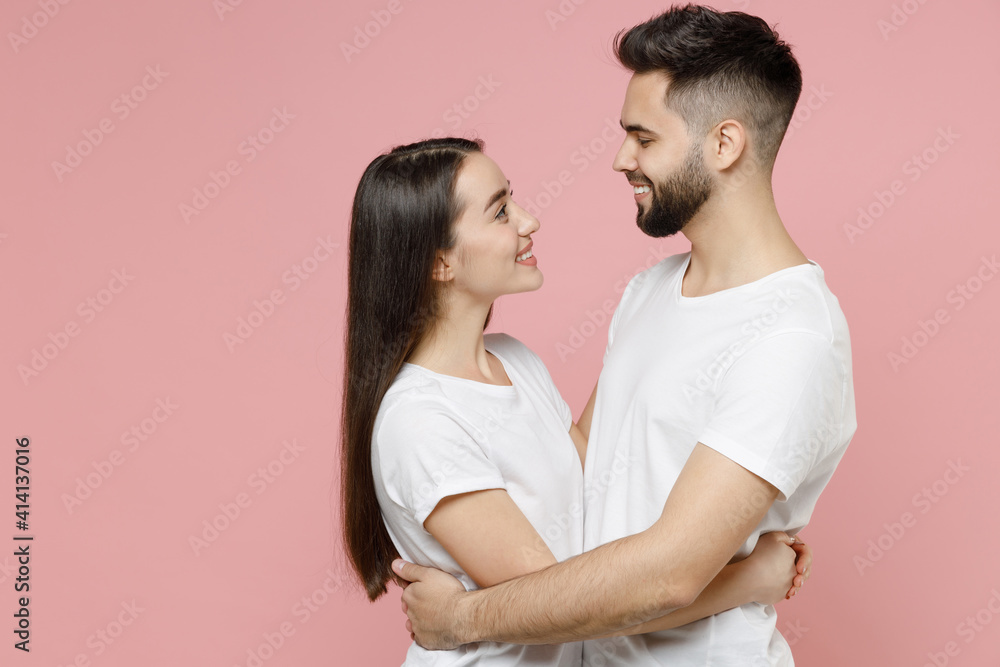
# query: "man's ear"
[[442, 267], [728, 143]]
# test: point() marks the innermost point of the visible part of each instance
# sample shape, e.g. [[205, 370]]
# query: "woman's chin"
[[532, 285], [537, 284]]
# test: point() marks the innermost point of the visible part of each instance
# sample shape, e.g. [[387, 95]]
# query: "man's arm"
[[588, 414], [710, 512], [580, 442], [775, 571], [580, 431]]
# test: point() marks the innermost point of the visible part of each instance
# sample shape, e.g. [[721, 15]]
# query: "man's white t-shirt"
[[762, 374], [437, 435]]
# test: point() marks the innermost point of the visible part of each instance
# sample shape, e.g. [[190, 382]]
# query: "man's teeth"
[[525, 256], [639, 189]]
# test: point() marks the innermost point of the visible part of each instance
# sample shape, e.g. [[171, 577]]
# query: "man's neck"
[[736, 242]]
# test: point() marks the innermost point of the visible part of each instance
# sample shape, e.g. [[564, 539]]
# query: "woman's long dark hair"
[[404, 211]]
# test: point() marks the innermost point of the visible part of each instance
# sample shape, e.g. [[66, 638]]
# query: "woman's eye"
[[502, 213]]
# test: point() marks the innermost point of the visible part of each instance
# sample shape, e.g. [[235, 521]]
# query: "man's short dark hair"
[[720, 65]]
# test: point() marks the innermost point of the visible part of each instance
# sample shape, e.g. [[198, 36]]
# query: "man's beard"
[[678, 198]]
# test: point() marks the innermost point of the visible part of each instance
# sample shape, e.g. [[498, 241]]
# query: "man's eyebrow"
[[497, 196], [637, 128]]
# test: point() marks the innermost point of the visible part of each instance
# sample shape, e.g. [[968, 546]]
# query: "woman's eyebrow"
[[497, 196]]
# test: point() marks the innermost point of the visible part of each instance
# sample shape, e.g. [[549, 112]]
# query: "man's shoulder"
[[662, 271], [668, 265], [803, 302]]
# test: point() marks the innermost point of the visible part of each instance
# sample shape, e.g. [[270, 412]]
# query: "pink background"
[[905, 550]]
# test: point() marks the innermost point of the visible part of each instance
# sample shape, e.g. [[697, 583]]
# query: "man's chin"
[[656, 233]]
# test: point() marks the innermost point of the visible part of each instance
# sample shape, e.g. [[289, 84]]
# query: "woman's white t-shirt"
[[436, 435]]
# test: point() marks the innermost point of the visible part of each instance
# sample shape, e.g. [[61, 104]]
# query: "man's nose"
[[625, 158]]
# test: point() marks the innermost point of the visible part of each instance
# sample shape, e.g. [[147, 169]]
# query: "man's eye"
[[643, 142]]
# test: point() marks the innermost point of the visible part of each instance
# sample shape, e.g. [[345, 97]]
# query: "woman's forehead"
[[480, 176]]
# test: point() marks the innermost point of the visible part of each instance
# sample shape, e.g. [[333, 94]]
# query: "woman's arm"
[[491, 540], [486, 532], [488, 536]]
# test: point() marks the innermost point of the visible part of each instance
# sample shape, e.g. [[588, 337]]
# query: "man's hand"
[[431, 601], [710, 511]]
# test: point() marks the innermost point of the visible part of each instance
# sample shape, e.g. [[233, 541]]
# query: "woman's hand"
[[778, 566], [803, 566]]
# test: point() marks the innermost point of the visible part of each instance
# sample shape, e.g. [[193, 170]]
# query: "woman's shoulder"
[[408, 416], [510, 348], [411, 392], [524, 359]]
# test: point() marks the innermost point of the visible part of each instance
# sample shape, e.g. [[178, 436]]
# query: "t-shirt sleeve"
[[552, 391], [619, 313], [426, 454], [540, 374], [780, 408]]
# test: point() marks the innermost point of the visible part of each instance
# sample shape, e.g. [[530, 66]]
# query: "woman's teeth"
[[639, 189], [523, 257]]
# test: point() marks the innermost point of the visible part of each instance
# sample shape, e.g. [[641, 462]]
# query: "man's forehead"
[[654, 82], [645, 101]]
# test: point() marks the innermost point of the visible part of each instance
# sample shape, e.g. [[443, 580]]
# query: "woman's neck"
[[454, 345]]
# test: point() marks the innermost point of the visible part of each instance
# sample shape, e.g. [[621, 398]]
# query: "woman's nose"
[[529, 224], [526, 223]]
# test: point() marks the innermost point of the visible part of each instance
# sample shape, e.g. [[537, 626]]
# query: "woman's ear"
[[442, 267]]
